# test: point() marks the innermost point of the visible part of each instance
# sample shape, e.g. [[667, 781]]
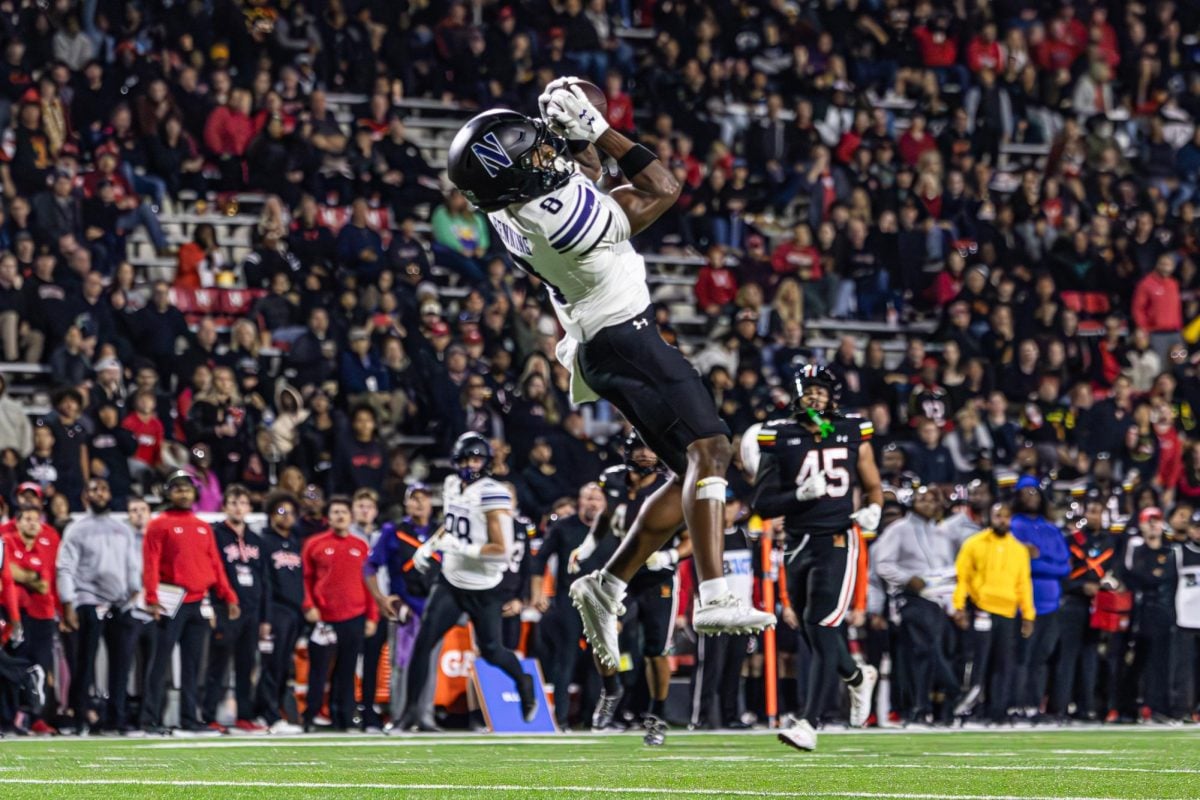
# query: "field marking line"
[[443, 787], [966, 767]]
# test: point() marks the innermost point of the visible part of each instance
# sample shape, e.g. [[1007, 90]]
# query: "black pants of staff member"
[[560, 630], [372, 647], [344, 655], [716, 683], [276, 666], [995, 665], [189, 629], [922, 642], [141, 643], [1078, 660], [111, 627], [38, 648], [446, 604], [1152, 657], [236, 639], [1187, 672], [1038, 650]]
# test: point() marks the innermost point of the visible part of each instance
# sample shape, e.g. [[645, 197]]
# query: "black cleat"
[[529, 701], [656, 731], [34, 690], [606, 709]]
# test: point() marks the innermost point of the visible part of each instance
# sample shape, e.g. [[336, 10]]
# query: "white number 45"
[[831, 462]]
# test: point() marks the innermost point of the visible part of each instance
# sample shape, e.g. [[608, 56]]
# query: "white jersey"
[[1187, 590], [576, 240], [466, 519]]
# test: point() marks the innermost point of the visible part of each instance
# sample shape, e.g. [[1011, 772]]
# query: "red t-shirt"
[[333, 577], [149, 435], [180, 549], [38, 557]]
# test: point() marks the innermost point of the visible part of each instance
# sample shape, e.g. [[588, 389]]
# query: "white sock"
[[712, 589], [619, 586]]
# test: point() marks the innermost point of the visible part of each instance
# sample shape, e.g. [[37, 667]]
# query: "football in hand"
[[594, 94]]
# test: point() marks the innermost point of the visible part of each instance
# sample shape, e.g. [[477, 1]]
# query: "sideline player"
[[808, 468], [653, 594], [558, 227], [476, 542]]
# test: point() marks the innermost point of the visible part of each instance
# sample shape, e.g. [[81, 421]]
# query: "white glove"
[[812, 487], [868, 517], [551, 87], [448, 544], [572, 113], [423, 558], [660, 560]]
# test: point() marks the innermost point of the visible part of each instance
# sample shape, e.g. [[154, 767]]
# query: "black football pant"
[[446, 604], [820, 580], [716, 683], [922, 641], [141, 643], [38, 648], [560, 630], [276, 666], [189, 629], [344, 654], [995, 664], [1187, 672], [1152, 657], [1038, 649], [372, 647], [236, 639], [1078, 659], [112, 628]]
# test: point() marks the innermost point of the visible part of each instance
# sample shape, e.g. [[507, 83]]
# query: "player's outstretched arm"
[[588, 159], [654, 188]]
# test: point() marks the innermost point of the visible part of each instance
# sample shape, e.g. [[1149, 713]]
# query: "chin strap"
[[825, 426]]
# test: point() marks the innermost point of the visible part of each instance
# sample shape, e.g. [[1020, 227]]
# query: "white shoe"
[[600, 609], [860, 696], [727, 614], [284, 728], [800, 736]]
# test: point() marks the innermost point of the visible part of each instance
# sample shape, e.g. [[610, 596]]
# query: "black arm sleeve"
[[770, 498]]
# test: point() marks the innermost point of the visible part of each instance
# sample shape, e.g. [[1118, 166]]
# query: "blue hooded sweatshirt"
[[1054, 559]]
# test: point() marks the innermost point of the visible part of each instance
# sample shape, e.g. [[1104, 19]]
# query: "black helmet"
[[813, 375], [491, 159], [467, 445], [633, 441]]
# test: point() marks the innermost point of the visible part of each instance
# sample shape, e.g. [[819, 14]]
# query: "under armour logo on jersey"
[[638, 324], [491, 154]]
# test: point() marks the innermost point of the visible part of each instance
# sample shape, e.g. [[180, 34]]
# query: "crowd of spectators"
[[1014, 184]]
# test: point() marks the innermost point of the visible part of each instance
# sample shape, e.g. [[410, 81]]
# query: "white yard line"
[[965, 767], [428, 741], [524, 789]]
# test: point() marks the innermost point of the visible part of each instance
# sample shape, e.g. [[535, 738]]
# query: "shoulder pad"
[[769, 433], [613, 476], [856, 426], [577, 219]]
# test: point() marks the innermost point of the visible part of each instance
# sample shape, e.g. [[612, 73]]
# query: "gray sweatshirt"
[[912, 547], [98, 562]]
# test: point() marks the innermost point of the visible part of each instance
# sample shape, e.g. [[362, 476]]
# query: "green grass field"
[[908, 766]]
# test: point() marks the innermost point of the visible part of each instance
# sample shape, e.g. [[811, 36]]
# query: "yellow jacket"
[[994, 572]]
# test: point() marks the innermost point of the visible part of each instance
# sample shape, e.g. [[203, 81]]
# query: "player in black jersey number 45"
[[808, 469]]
